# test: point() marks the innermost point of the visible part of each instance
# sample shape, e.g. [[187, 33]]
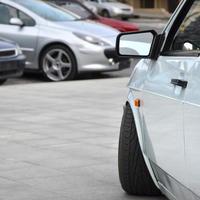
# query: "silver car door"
[[25, 36]]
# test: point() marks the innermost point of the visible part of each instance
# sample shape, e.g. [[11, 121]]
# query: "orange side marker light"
[[137, 103]]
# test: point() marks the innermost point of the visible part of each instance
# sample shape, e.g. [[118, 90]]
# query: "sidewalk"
[[59, 141]]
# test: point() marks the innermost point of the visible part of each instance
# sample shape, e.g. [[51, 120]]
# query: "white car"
[[111, 8], [159, 147]]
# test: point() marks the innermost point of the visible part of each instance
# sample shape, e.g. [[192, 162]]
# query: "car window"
[[47, 11], [28, 21], [187, 37], [8, 12]]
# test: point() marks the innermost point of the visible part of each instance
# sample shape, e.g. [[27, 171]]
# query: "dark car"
[[81, 10], [12, 61]]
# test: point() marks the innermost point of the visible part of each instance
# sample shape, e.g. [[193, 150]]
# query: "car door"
[[26, 36], [192, 102], [192, 128], [162, 98], [167, 86]]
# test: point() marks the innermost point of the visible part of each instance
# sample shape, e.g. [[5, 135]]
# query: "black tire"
[[125, 18], [73, 72], [2, 81], [133, 173], [105, 13]]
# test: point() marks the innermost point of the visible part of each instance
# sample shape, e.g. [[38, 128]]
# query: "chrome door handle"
[[179, 82]]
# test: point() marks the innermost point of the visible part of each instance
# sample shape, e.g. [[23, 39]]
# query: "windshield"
[[78, 9], [47, 11]]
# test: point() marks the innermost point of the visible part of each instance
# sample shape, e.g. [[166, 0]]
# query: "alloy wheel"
[[57, 64]]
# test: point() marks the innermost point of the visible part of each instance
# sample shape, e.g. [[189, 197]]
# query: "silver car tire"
[[58, 63], [133, 173]]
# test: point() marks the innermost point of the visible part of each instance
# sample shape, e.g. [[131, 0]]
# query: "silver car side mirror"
[[136, 44], [16, 21]]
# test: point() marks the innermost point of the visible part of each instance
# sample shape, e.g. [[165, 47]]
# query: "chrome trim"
[[27, 49]]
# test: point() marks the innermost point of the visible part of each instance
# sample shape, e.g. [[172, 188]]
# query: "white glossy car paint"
[[167, 121]]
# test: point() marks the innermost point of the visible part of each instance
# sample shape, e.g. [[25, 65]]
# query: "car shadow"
[[31, 78]]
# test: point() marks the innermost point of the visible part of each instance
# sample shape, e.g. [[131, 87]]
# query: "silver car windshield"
[[47, 11]]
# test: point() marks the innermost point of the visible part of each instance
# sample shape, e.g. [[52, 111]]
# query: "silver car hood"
[[87, 27]]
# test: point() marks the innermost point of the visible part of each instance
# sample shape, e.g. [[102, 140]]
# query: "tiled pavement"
[[58, 141]]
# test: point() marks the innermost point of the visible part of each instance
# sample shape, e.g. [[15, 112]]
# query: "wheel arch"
[[138, 124], [106, 10], [52, 44]]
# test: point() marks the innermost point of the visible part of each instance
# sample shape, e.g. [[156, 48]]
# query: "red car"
[[81, 10], [118, 24]]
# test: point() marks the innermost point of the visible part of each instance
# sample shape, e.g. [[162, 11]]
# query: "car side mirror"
[[16, 22], [136, 44]]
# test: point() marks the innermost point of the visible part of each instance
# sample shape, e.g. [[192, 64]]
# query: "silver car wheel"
[[105, 13], [57, 65]]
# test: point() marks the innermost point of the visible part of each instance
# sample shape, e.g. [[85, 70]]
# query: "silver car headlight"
[[91, 39], [18, 50]]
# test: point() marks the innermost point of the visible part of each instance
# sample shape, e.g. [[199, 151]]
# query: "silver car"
[[111, 8], [56, 42], [159, 147]]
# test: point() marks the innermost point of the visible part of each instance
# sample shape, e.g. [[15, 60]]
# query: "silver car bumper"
[[101, 61]]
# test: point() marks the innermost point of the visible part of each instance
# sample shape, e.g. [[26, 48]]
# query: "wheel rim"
[[57, 65]]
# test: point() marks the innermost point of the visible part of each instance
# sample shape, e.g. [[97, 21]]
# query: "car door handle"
[[179, 82]]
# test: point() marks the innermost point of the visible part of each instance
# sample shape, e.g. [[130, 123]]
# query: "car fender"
[[138, 123], [136, 85], [54, 37]]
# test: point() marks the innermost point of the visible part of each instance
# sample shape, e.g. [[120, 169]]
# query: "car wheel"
[[58, 63], [105, 13], [125, 18], [2, 81], [134, 175]]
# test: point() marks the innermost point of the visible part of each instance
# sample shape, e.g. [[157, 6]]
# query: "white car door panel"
[[192, 128], [163, 114]]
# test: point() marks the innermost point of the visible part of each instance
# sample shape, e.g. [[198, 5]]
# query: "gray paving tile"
[[59, 140]]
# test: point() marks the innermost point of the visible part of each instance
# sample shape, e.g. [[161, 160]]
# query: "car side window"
[[6, 13], [28, 21], [187, 37]]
